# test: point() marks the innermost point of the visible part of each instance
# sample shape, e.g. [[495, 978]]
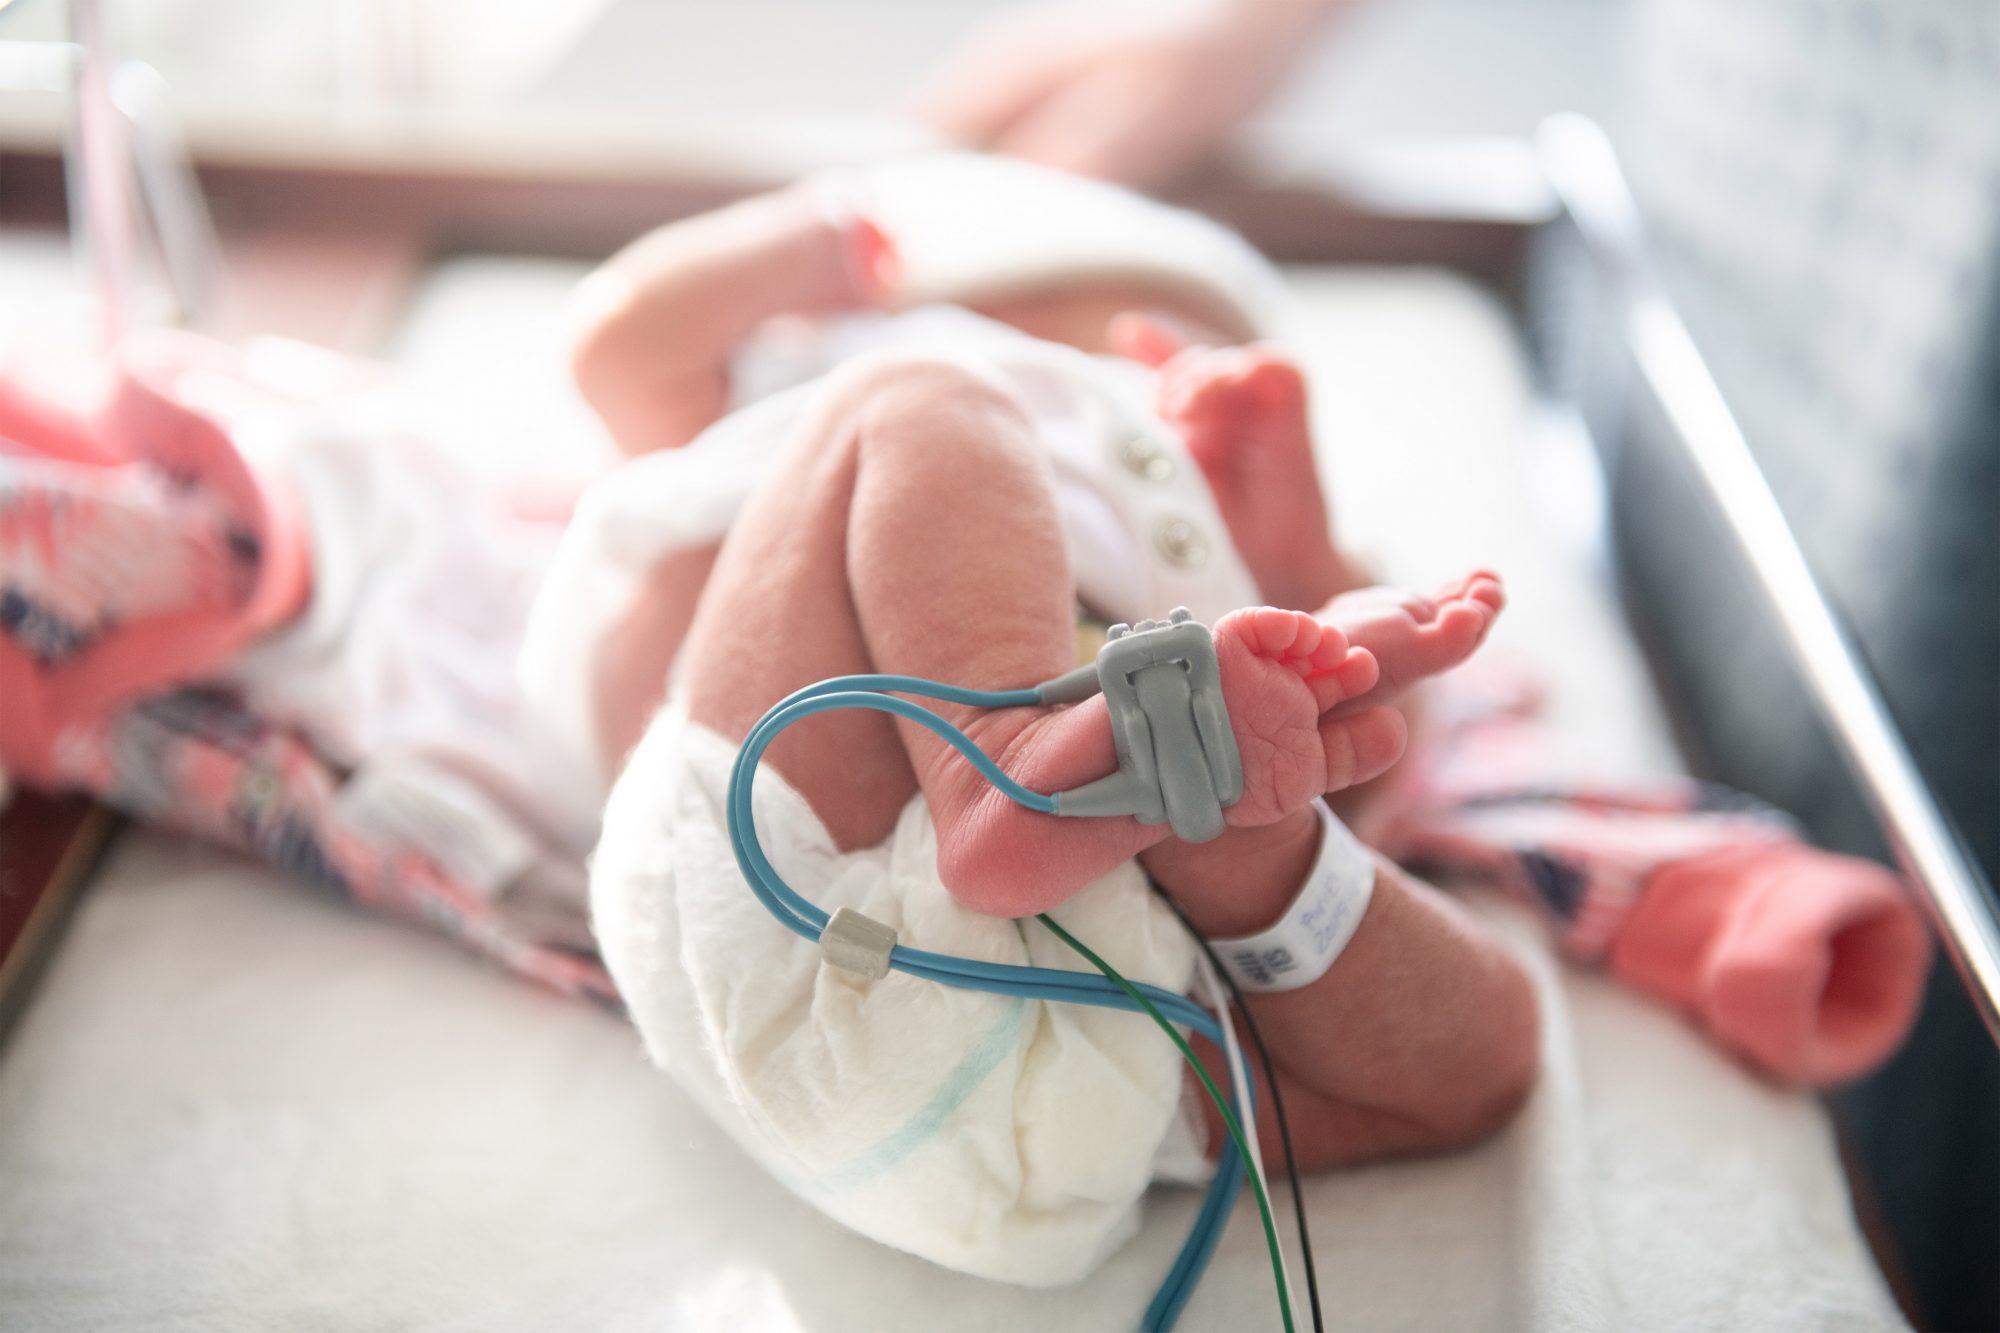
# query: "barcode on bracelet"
[[1261, 967]]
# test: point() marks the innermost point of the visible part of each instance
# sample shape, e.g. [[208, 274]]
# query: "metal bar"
[[1585, 173], [168, 190], [102, 214]]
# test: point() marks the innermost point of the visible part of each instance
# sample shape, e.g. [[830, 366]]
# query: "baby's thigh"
[[630, 676], [864, 550]]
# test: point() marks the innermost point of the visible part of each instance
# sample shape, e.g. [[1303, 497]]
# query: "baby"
[[948, 418], [950, 499]]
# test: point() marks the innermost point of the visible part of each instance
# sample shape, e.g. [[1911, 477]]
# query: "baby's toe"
[[1481, 585], [1270, 379], [1461, 618], [1229, 383], [1486, 589], [1362, 745], [1353, 675], [1291, 637]]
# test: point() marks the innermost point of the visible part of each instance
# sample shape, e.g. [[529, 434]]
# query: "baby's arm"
[[1421, 1037], [653, 328]]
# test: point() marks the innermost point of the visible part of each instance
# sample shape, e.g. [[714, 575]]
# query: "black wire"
[[1277, 1098]]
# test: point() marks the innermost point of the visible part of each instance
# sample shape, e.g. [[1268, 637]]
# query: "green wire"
[[1215, 1095]]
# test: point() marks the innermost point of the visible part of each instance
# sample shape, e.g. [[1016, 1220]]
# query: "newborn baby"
[[964, 494], [950, 418]]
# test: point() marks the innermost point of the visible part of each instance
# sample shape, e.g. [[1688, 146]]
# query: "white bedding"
[[236, 1104]]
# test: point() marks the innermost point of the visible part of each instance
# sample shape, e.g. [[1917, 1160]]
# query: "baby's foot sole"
[[1282, 672]]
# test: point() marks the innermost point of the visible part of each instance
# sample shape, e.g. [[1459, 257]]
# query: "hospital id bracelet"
[[1306, 940]]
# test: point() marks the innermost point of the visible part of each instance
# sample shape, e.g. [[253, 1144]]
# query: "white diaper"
[[1004, 1137]]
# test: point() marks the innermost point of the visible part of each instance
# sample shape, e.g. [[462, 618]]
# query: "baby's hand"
[[652, 330], [874, 269]]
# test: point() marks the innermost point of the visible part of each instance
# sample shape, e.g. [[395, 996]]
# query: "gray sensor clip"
[[1177, 758]]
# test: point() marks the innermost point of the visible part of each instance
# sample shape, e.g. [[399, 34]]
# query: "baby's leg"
[[1241, 412], [653, 328], [909, 529], [631, 680], [914, 530], [1423, 1034]]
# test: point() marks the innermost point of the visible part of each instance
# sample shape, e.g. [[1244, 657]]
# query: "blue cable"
[[1056, 985], [807, 920], [1192, 1262]]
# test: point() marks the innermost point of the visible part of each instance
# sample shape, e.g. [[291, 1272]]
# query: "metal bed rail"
[[1592, 192]]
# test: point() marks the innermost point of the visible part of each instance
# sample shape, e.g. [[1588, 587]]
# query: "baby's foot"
[[1242, 413], [1285, 678], [1412, 637]]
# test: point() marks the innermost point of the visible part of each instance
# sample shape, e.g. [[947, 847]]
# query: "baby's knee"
[[941, 409], [1495, 1082], [899, 379]]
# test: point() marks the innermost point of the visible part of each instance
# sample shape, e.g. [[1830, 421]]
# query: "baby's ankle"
[[1238, 883], [1305, 581], [1003, 859]]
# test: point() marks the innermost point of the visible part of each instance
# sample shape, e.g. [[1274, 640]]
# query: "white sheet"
[[238, 1105]]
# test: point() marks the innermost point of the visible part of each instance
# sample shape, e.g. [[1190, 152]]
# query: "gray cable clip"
[[859, 943], [1177, 759]]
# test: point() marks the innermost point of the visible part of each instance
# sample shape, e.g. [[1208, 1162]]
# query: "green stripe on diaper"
[[986, 1054]]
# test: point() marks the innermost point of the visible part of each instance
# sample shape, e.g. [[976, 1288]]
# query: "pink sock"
[[1809, 965]]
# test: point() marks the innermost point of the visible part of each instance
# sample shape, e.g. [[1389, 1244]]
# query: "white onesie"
[[1005, 1137]]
